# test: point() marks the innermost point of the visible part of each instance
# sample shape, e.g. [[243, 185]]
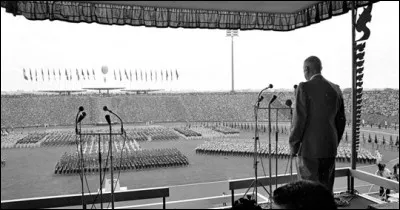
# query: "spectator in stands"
[[383, 172], [303, 194], [318, 125]]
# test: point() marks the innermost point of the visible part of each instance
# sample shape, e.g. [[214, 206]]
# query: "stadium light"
[[232, 33]]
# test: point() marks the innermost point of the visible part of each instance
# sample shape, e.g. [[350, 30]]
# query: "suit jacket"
[[319, 119]]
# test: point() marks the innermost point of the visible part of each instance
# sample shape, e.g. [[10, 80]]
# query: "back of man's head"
[[304, 194], [314, 64], [381, 166]]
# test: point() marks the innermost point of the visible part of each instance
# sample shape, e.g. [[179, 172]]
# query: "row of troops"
[[248, 126], [243, 149], [152, 134], [135, 160]]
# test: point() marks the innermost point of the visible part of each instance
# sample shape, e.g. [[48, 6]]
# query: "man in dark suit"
[[318, 125]]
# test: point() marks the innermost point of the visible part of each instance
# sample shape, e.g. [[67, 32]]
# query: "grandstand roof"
[[105, 88], [138, 91], [62, 91], [243, 15]]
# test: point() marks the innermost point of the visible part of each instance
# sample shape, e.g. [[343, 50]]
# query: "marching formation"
[[246, 148], [188, 133], [152, 134], [133, 158]]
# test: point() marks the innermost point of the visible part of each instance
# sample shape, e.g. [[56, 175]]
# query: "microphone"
[[288, 103], [122, 124], [260, 99], [273, 99], [295, 87], [81, 117], [81, 109], [108, 119]]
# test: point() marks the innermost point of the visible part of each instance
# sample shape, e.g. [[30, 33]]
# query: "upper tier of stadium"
[[26, 111]]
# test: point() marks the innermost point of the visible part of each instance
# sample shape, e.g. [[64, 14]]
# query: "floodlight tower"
[[232, 33]]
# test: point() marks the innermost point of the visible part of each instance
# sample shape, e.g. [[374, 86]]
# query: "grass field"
[[30, 172]]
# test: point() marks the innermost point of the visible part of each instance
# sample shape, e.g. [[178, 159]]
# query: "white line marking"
[[263, 197]]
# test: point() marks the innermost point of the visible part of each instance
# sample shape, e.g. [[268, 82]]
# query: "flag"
[[177, 76], [94, 75], [146, 75], [83, 75], [166, 75], [130, 74], [25, 77], [70, 74], [115, 75], [88, 75], [59, 73], [162, 76], [171, 74], [48, 73], [120, 75], [66, 74], [36, 74], [77, 75], [141, 75], [54, 74], [151, 75], [155, 72], [42, 75], [136, 75], [126, 75]]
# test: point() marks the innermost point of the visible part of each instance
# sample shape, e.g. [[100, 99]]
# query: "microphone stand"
[[112, 166], [276, 150], [269, 146], [100, 170], [80, 158], [256, 140]]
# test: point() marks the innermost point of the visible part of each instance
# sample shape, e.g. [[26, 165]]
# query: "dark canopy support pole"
[[354, 92]]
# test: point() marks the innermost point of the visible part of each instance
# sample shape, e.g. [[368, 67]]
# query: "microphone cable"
[[102, 179], [80, 174], [120, 163]]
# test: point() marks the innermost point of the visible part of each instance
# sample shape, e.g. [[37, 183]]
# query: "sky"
[[202, 57]]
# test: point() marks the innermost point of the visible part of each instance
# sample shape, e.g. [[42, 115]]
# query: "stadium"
[[177, 149]]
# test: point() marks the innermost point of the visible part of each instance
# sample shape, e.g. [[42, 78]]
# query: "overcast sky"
[[201, 56]]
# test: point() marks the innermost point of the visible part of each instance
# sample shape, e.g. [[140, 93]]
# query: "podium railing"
[[76, 199]]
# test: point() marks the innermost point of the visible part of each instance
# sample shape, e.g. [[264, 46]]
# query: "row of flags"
[[68, 74], [168, 75]]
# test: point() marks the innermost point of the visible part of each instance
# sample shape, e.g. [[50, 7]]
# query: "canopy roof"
[[243, 15]]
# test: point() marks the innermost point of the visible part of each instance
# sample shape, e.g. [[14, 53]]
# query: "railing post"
[[163, 202], [233, 197], [348, 182]]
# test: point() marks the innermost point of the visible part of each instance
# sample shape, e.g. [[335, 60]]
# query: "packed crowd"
[[377, 107], [246, 148], [130, 160]]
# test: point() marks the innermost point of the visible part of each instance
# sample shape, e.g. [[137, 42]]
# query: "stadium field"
[[29, 172]]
